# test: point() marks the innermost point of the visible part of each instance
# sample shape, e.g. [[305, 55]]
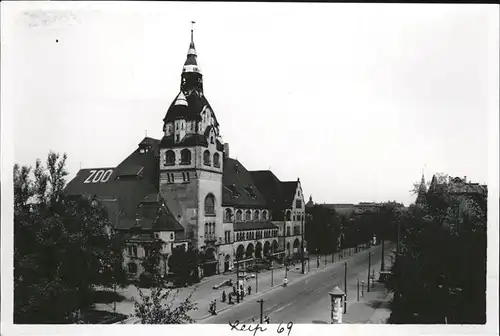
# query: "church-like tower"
[[191, 160], [422, 192]]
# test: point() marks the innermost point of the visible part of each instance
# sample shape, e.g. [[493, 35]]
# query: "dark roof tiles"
[[238, 186]]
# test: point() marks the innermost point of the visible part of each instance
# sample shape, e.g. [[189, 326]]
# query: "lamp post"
[[345, 287], [302, 244], [369, 266], [261, 310], [336, 296], [399, 235]]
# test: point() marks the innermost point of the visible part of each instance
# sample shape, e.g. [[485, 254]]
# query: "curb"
[[274, 287], [236, 304]]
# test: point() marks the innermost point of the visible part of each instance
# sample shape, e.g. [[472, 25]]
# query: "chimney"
[[465, 179], [226, 149]]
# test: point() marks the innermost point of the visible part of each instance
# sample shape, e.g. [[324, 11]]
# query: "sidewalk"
[[373, 306], [204, 292], [264, 282]]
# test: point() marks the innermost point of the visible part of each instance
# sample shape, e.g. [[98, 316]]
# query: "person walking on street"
[[266, 320], [223, 296], [249, 290], [285, 282]]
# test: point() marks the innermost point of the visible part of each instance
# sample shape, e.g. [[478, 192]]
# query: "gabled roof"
[[82, 184], [271, 188], [131, 192], [151, 142], [188, 141], [289, 190], [238, 186]]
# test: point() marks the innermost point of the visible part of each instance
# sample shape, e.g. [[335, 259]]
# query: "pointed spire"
[[191, 64], [422, 191]]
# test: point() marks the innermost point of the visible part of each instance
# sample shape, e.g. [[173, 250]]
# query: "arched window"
[[216, 160], [169, 158], [238, 215], [256, 215], [228, 214], [206, 158], [185, 156], [288, 215], [248, 215], [264, 215], [210, 205]]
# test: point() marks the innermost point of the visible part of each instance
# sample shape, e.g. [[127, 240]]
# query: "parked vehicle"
[[227, 282]]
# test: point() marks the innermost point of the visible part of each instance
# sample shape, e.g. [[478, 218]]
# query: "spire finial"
[[192, 31]]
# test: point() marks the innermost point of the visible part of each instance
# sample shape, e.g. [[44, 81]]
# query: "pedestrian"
[[266, 320], [234, 289], [230, 299], [223, 296], [249, 290], [285, 282]]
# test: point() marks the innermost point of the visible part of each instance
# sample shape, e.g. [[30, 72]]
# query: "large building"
[[186, 189]]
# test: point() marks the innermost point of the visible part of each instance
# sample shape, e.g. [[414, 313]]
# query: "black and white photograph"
[[261, 168]]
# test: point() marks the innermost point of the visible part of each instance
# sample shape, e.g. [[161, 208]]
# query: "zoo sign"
[[99, 176]]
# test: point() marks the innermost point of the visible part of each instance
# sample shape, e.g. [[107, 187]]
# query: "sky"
[[356, 100]]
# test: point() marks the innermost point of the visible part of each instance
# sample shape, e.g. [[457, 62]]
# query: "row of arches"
[[249, 215], [186, 156], [262, 250]]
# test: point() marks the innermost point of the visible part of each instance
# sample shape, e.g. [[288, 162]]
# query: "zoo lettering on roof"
[[98, 176]]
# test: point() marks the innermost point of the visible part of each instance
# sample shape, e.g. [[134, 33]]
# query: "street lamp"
[[345, 287], [336, 296], [302, 243]]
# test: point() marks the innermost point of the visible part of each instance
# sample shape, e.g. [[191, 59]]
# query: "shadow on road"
[[319, 322]]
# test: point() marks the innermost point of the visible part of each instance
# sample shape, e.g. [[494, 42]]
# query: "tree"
[[60, 245], [158, 308], [442, 260], [184, 264], [151, 262], [322, 228]]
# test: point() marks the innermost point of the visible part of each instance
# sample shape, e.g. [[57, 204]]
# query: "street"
[[306, 299]]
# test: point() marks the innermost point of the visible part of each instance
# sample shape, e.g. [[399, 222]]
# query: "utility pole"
[[399, 233], [272, 274], [369, 266], [358, 287], [302, 245], [237, 278], [345, 287], [382, 263], [261, 310], [256, 280]]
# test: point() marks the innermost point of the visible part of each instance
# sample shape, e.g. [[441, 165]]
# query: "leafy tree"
[[158, 308], [440, 273], [61, 245], [151, 262], [322, 229], [184, 264]]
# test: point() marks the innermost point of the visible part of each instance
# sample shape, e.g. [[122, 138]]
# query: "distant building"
[[350, 209], [186, 190]]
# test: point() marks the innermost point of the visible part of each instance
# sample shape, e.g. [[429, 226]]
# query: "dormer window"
[[169, 158]]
